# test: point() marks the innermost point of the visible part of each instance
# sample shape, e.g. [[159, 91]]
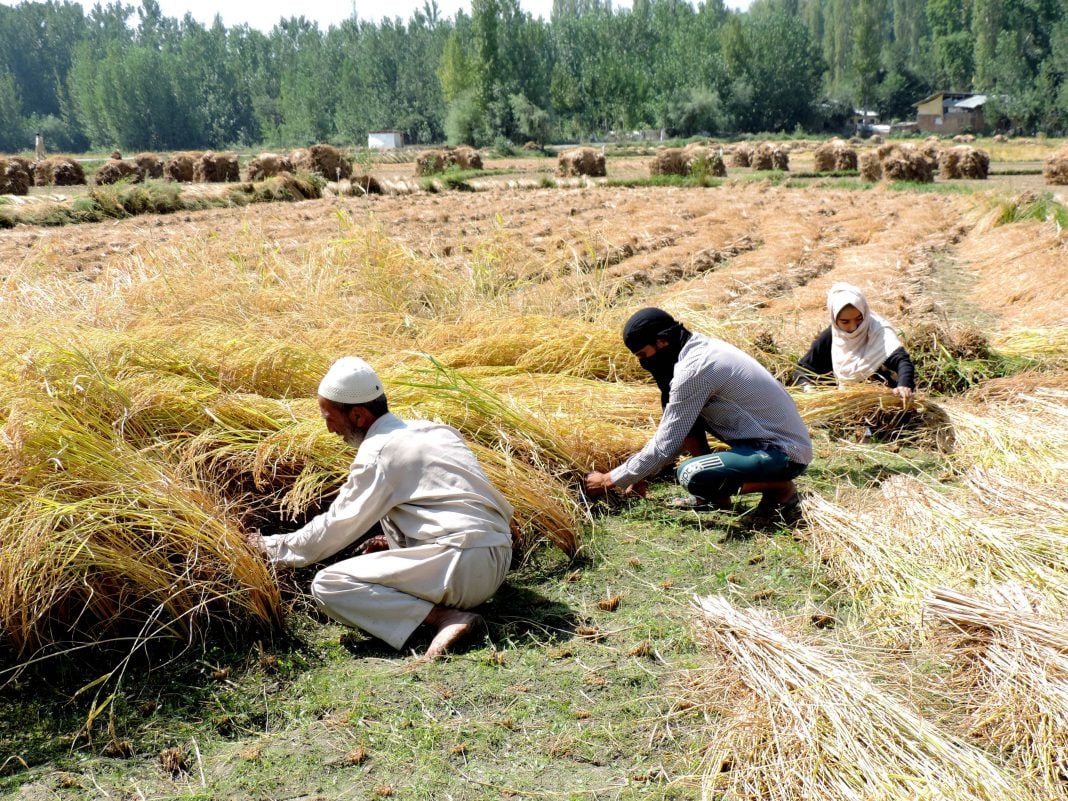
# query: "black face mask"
[[661, 365]]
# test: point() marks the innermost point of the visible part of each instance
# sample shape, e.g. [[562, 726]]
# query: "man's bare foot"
[[453, 626]]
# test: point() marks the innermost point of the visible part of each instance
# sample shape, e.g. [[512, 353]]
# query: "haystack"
[[897, 162], [115, 170], [770, 157], [267, 165], [179, 167], [835, 156], [963, 139], [365, 185], [1001, 138], [14, 178], [467, 158], [692, 159], [431, 162], [581, 161], [875, 139], [741, 155], [932, 152], [149, 165], [1055, 170], [213, 168], [326, 160], [116, 155], [58, 171], [964, 162]]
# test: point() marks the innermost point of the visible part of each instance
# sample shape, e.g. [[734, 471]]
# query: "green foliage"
[[1027, 207]]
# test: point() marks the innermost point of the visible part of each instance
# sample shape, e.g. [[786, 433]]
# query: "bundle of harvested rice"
[[267, 165], [58, 171], [804, 724], [694, 159], [364, 185], [741, 154], [581, 161], [875, 139], [905, 163], [212, 168], [768, 156], [284, 186], [431, 162], [964, 139], [179, 167], [848, 410], [149, 165], [835, 156], [964, 162], [14, 178], [467, 158], [871, 166], [326, 160], [1009, 666], [1001, 138], [1055, 170], [931, 150], [113, 171]]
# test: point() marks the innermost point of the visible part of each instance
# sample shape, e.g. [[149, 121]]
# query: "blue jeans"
[[719, 475]]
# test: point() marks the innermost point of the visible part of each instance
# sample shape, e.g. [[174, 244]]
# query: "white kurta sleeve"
[[364, 499]]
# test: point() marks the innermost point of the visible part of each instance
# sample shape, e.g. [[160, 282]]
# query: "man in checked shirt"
[[709, 386]]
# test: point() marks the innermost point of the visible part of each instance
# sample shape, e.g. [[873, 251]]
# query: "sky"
[[263, 14]]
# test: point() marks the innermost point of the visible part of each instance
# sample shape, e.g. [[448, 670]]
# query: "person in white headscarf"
[[859, 345], [446, 544]]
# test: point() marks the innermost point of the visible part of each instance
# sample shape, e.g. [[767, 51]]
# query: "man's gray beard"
[[355, 438]]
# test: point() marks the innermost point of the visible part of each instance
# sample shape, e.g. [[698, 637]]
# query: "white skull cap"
[[350, 380]]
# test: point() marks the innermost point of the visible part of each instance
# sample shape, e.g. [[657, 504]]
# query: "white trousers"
[[389, 593]]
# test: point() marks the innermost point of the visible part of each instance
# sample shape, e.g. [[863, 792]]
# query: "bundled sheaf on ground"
[[799, 722], [835, 156], [1055, 169], [434, 162], [897, 162], [15, 177], [1008, 661], [964, 162], [214, 167], [114, 170], [694, 159], [769, 156], [581, 161], [326, 160], [58, 171], [267, 165]]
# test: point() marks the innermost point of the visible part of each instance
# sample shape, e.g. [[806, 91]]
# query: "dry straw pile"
[[179, 167], [267, 165], [433, 162], [803, 723], [741, 154], [113, 170], [897, 162], [1009, 676], [694, 159], [835, 156], [149, 165], [768, 156], [15, 179], [58, 171], [581, 161], [964, 162], [211, 168], [1055, 170], [326, 160]]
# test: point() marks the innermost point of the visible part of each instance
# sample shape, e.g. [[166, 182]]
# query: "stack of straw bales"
[[15, 179], [896, 162], [58, 171], [326, 160], [433, 162], [149, 165], [581, 161], [1001, 138], [835, 156], [267, 165], [963, 139], [688, 160], [179, 167], [963, 161], [213, 168], [1055, 170], [768, 156], [741, 154], [114, 170]]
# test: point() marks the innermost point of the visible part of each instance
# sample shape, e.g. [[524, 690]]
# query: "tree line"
[[129, 77]]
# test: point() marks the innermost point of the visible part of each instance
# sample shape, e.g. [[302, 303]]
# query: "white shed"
[[385, 140]]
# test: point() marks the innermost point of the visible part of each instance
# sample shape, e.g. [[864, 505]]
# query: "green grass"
[[689, 181], [562, 697], [1043, 207]]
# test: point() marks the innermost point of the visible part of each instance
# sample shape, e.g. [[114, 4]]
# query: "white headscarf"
[[856, 356]]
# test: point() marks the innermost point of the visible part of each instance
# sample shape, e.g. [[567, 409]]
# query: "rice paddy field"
[[905, 641]]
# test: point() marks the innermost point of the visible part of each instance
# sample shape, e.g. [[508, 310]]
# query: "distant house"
[[385, 140], [951, 113]]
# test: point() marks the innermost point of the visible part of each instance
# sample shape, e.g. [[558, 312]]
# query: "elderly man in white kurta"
[[445, 525]]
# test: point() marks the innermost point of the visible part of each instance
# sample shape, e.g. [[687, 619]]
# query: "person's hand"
[[598, 483], [254, 539], [373, 545], [904, 393]]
